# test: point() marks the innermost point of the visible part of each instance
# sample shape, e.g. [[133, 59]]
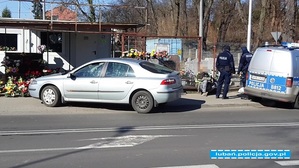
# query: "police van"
[[273, 73]]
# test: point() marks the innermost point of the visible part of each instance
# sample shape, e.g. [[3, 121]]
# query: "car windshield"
[[91, 70], [155, 68]]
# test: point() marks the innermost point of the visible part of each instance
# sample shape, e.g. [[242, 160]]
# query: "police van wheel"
[[296, 103], [254, 98]]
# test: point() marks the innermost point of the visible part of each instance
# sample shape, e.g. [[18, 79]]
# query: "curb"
[[191, 91], [230, 105]]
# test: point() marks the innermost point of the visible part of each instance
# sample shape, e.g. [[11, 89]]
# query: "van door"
[[259, 68], [281, 68]]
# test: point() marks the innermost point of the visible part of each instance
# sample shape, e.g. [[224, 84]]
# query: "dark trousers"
[[243, 79], [225, 78]]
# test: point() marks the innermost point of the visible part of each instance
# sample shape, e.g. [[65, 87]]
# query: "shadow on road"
[[181, 105]]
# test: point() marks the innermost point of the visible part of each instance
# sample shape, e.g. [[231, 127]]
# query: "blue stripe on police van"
[[250, 154], [273, 83]]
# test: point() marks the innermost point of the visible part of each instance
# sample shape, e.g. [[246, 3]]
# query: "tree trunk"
[[154, 21], [226, 18], [177, 20], [184, 19], [207, 5], [260, 31], [241, 12], [289, 25]]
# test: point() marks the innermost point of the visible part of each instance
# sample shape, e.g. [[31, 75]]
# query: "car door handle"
[[129, 82], [93, 82]]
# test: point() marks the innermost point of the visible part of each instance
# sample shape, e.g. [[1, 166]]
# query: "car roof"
[[278, 48], [124, 60]]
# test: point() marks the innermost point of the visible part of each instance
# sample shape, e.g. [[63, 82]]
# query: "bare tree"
[[225, 12], [207, 5], [90, 13], [262, 20], [181, 17], [184, 18], [153, 18], [289, 24]]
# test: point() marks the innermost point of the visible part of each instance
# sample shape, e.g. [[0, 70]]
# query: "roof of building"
[[66, 26], [61, 13]]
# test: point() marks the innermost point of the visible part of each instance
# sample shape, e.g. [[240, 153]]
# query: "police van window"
[[261, 60], [280, 60]]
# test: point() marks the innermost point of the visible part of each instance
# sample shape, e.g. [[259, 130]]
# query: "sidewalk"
[[211, 101]]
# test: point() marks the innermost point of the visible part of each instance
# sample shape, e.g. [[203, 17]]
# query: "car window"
[[91, 70], [155, 68], [116, 69]]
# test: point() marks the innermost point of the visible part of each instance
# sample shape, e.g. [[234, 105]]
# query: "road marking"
[[193, 166], [107, 142], [123, 141], [288, 163], [147, 128]]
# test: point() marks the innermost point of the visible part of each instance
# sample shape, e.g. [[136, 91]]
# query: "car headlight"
[[33, 82]]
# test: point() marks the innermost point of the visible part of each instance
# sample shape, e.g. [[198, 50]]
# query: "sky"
[[13, 6], [21, 9]]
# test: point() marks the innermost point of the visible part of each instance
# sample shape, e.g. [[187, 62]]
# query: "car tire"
[[296, 103], [51, 96], [142, 102], [254, 98]]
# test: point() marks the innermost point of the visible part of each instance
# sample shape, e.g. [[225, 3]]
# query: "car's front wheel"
[[142, 102], [51, 96]]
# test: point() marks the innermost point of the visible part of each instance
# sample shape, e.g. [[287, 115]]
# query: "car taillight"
[[289, 82], [247, 75], [168, 82]]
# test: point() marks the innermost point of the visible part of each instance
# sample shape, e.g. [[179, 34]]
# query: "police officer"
[[243, 66], [225, 65]]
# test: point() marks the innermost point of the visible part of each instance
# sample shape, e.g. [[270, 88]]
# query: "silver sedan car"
[[141, 84]]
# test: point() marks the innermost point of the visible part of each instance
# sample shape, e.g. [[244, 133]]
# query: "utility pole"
[[44, 10], [19, 9], [199, 52], [249, 26]]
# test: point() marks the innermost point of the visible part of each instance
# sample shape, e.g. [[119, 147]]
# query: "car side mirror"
[[72, 76]]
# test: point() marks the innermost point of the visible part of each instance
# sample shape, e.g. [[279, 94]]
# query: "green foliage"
[[6, 13]]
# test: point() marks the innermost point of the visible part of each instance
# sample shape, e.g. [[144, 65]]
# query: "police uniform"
[[225, 65], [244, 64]]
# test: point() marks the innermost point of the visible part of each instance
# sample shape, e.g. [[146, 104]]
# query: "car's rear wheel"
[[296, 103], [51, 96], [142, 102]]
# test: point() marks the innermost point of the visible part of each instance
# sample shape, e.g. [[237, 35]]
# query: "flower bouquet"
[[11, 89], [23, 87], [14, 87]]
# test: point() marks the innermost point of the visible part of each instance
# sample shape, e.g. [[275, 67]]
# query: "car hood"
[[52, 76]]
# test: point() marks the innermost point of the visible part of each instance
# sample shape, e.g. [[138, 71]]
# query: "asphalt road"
[[88, 135]]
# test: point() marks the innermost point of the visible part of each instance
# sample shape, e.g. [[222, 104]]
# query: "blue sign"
[[250, 154], [269, 82]]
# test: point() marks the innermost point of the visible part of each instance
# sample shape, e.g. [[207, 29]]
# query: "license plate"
[[257, 78]]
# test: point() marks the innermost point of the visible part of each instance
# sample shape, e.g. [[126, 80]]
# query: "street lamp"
[[249, 26]]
